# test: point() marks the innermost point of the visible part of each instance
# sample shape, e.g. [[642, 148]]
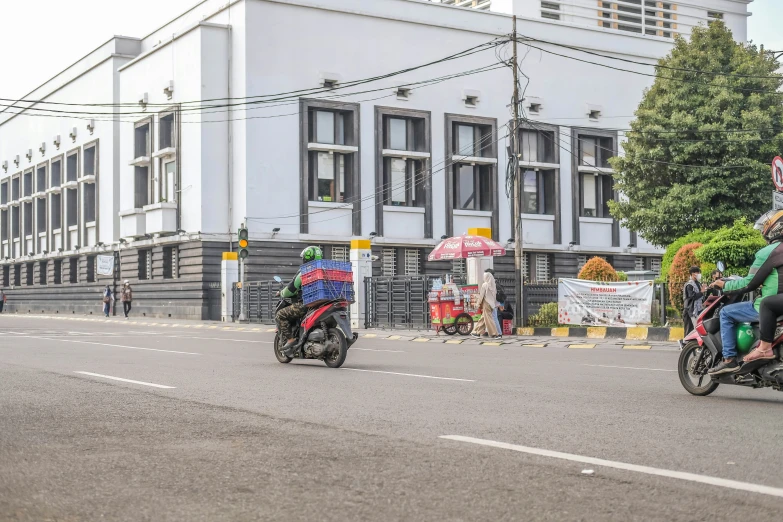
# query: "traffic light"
[[243, 242]]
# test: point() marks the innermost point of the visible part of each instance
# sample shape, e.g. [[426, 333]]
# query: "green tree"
[[673, 173]]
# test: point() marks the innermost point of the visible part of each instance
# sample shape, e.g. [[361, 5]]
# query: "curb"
[[636, 333]]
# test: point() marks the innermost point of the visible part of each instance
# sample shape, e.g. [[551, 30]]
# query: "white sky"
[[40, 38]]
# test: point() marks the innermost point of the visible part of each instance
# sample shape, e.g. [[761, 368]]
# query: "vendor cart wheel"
[[464, 323], [450, 329]]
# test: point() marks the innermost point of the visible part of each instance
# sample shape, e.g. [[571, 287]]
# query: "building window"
[[42, 272], [29, 274], [90, 269], [27, 185], [56, 173], [18, 275], [538, 192], [58, 271], [15, 228], [90, 160], [412, 262], [15, 188], [40, 179], [27, 211], [472, 181], [331, 157], [6, 276], [389, 262], [71, 207], [72, 166], [525, 266], [167, 129], [403, 176], [170, 262], [40, 216], [168, 183], [145, 264], [459, 268], [56, 211], [547, 9], [596, 192], [73, 270], [542, 268], [89, 203], [638, 264], [581, 261], [4, 192], [341, 253], [655, 265], [165, 186], [142, 144], [4, 230]]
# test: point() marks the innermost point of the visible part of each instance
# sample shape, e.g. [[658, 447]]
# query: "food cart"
[[453, 308]]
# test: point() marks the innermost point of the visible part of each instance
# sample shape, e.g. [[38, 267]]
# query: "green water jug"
[[745, 338]]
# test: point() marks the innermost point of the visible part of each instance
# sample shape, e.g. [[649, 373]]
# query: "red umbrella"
[[461, 247]]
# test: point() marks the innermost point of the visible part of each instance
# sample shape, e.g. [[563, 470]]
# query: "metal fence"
[[397, 302], [259, 301]]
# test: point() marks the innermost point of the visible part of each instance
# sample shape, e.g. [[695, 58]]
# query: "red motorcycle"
[[324, 333], [703, 349]]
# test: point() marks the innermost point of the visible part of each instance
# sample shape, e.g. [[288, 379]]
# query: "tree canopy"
[[714, 106]]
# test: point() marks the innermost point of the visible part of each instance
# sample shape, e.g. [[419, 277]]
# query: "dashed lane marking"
[[533, 345], [410, 375], [629, 368], [126, 380], [636, 347], [377, 350], [581, 346], [455, 341], [421, 340], [394, 338], [647, 470], [110, 345]]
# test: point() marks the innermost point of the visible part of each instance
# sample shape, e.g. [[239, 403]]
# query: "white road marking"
[[127, 380], [628, 368], [217, 339], [374, 350], [410, 375], [111, 345], [680, 475]]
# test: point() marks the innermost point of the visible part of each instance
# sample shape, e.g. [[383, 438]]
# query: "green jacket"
[[766, 272], [294, 287]]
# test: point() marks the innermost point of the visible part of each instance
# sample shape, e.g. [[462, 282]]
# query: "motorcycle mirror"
[[721, 266], [277, 278]]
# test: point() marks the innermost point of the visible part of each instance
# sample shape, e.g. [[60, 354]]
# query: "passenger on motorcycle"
[[767, 273], [289, 316]]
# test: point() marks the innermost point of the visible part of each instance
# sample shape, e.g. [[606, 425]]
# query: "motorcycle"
[[324, 333], [703, 349]]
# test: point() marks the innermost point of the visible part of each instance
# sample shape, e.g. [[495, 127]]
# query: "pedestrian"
[[500, 298], [487, 305], [693, 292], [2, 300], [108, 300], [127, 298]]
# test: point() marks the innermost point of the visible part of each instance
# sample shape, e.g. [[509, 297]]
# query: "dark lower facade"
[[182, 279]]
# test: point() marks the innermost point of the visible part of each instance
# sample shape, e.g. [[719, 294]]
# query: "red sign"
[[777, 173]]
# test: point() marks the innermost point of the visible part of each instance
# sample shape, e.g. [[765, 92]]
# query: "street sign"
[[777, 200], [777, 173]]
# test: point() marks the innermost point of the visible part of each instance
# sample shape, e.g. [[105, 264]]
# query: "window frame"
[[93, 179], [73, 152], [164, 156], [60, 159], [144, 161], [578, 169], [44, 165], [31, 172], [489, 158], [351, 150], [417, 157], [553, 133]]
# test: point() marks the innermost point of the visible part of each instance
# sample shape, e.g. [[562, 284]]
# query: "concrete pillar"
[[476, 266], [229, 274], [361, 264]]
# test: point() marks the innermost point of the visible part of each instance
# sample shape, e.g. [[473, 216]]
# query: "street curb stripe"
[[596, 332], [636, 347], [560, 332], [533, 345], [636, 333], [393, 338], [676, 333], [455, 341], [491, 344], [633, 333], [421, 340], [582, 346]]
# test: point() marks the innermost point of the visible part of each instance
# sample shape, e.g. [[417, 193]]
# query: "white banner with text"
[[591, 303]]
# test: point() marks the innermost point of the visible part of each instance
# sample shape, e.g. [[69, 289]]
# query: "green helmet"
[[311, 253]]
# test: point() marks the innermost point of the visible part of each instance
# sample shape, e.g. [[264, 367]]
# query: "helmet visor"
[[764, 219]]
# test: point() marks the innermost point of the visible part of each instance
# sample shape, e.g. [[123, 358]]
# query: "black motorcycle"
[[324, 333]]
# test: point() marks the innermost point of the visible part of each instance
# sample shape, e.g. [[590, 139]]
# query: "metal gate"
[[259, 301], [214, 302], [396, 302]]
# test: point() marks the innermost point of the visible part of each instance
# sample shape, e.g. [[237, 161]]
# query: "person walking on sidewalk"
[[500, 299], [108, 300], [127, 298], [2, 301], [487, 305]]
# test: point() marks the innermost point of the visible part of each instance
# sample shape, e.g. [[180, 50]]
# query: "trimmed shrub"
[[735, 245], [679, 273], [697, 236], [622, 276], [546, 317], [597, 269]]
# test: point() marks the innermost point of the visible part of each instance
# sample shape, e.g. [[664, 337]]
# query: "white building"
[[158, 148]]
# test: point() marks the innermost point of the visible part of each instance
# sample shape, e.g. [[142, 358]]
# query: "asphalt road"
[[212, 428]]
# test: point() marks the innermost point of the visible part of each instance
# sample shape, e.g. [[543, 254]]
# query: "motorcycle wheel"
[[336, 358], [278, 352], [692, 357]]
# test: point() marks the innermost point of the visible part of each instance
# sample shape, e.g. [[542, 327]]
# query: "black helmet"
[[771, 225]]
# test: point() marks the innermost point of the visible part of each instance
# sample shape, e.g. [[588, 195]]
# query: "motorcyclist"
[[289, 316], [767, 273]]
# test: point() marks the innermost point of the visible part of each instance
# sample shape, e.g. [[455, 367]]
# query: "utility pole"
[[519, 280]]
